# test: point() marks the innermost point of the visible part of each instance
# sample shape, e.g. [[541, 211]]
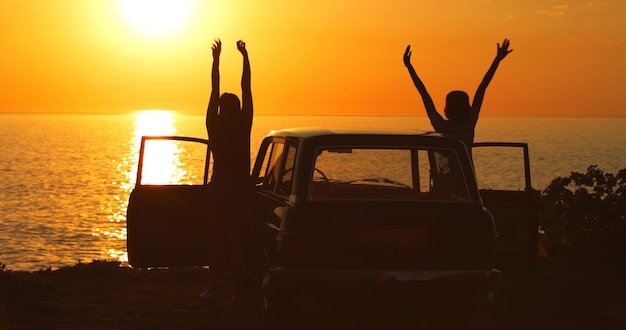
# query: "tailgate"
[[397, 235]]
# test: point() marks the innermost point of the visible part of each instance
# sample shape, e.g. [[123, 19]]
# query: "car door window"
[[273, 167], [285, 181]]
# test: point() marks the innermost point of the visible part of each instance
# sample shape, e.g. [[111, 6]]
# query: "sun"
[[156, 16]]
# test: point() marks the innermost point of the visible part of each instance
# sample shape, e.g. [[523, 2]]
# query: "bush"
[[583, 216]]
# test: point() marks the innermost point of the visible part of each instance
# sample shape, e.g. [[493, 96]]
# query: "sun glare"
[[156, 16], [161, 158]]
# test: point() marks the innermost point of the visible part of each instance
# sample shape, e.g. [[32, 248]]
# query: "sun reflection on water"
[[162, 164]]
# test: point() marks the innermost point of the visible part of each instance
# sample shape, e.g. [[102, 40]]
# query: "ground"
[[102, 295]]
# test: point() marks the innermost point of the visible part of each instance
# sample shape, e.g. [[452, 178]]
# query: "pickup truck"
[[392, 211]]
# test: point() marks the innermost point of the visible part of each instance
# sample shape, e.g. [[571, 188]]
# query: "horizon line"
[[187, 113]]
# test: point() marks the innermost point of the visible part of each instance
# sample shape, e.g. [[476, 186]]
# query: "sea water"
[[65, 179]]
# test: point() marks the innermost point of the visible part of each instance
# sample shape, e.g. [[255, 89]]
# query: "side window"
[[286, 177], [273, 167], [262, 172], [425, 178]]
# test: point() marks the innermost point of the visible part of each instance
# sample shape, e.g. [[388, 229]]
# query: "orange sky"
[[316, 57]]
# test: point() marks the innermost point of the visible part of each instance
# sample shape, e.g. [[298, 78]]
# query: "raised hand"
[[503, 50], [407, 56], [241, 46], [217, 48]]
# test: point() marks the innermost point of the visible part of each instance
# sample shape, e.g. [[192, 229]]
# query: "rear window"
[[387, 174]]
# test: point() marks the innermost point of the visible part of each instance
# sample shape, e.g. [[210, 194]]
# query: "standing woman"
[[229, 123], [461, 116]]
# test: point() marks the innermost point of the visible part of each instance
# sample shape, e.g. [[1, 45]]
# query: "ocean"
[[65, 179]]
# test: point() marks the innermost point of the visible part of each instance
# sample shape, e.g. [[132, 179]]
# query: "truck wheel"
[[272, 302]]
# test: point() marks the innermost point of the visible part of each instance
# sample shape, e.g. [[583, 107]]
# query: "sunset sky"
[[312, 57]]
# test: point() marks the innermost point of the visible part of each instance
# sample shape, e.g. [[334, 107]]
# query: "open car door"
[[503, 174], [166, 220]]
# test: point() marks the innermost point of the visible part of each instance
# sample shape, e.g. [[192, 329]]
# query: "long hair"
[[457, 106]]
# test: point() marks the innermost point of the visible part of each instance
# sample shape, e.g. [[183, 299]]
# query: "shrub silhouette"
[[583, 217]]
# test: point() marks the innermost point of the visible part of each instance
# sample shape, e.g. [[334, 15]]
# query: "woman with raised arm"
[[229, 123], [461, 116]]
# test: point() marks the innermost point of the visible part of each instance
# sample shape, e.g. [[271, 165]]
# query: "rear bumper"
[[429, 286], [380, 276]]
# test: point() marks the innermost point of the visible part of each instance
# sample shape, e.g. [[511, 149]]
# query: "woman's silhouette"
[[461, 116], [229, 123]]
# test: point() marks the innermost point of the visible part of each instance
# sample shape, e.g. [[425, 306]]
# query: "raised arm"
[[428, 101], [212, 109], [503, 51], [246, 91]]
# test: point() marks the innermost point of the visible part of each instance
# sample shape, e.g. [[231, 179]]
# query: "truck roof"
[[308, 132]]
